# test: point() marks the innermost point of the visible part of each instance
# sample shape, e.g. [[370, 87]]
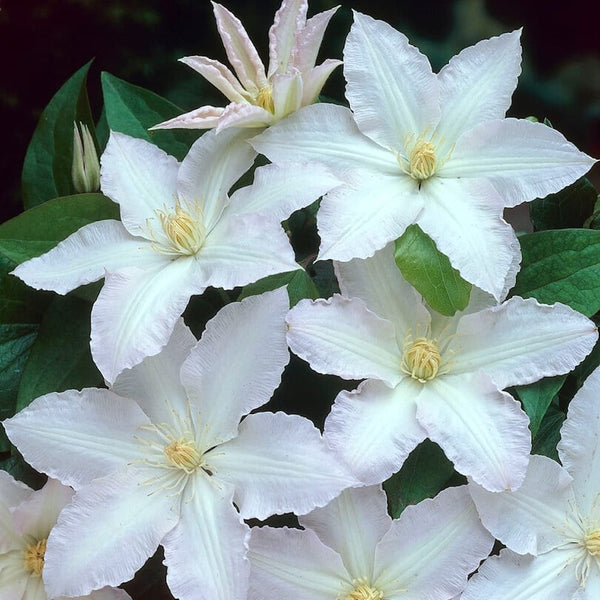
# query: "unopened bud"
[[85, 171]]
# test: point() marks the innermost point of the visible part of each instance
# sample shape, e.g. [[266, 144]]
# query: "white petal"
[[278, 463], [140, 177], [108, 593], [374, 428], [326, 134], [432, 548], [238, 363], [308, 41], [379, 283], [523, 341], [77, 436], [12, 493], [361, 217], [579, 447], [483, 431], [287, 93], [85, 256], [477, 84], [205, 553], [509, 575], [534, 518], [315, 79], [240, 50], [106, 534], [136, 312], [343, 337], [280, 190], [523, 160], [390, 85], [288, 22], [239, 114], [352, 524], [155, 383], [218, 75], [464, 219], [295, 565], [15, 582], [213, 164], [204, 117]]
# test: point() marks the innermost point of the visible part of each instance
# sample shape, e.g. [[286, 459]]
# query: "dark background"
[[42, 42]]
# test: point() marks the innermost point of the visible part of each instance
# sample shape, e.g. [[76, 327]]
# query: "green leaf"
[[424, 473], [430, 272], [561, 266], [569, 208], [537, 397], [299, 286], [133, 110], [16, 340], [39, 229], [60, 357], [548, 435], [47, 167]]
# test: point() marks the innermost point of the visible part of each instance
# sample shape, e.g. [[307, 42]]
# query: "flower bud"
[[85, 170]]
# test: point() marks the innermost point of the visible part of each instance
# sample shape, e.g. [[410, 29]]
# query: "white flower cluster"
[[173, 451]]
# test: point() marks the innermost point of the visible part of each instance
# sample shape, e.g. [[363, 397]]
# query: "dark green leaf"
[[47, 167], [299, 286], [60, 357], [561, 266], [537, 397], [548, 435], [425, 472], [430, 272], [569, 208], [133, 110], [39, 229]]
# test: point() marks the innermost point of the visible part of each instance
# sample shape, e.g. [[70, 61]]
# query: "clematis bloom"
[[432, 376], [26, 519], [551, 524], [180, 233], [352, 550], [257, 97], [162, 457], [426, 148]]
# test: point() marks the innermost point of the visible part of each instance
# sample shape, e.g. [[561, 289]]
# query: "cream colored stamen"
[[364, 592], [186, 234], [34, 557], [184, 455], [422, 160], [592, 542], [421, 358], [264, 99]]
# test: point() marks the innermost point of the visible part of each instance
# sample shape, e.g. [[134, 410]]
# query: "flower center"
[[422, 161], [264, 99], [34, 557], [364, 592], [186, 234], [592, 542], [421, 358], [183, 454]]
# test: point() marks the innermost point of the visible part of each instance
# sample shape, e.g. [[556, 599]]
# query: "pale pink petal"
[[477, 85], [390, 85], [205, 551], [240, 50], [205, 117], [278, 463], [352, 524], [374, 428], [85, 256], [77, 436], [343, 337], [483, 431], [534, 518], [155, 382], [579, 447], [213, 164], [294, 565], [287, 93], [288, 23], [244, 115], [106, 534], [218, 75], [432, 548], [379, 283], [523, 160], [314, 80], [238, 363], [140, 177], [308, 42], [523, 342], [12, 493], [550, 576], [464, 219]]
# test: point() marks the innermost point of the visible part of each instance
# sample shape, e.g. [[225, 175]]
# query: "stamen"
[[183, 454], [34, 557], [186, 234], [264, 99], [422, 161], [363, 591]]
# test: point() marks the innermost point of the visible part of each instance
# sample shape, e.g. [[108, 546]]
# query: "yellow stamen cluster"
[[422, 160], [264, 99], [186, 234], [421, 358], [34, 557], [592, 542], [362, 591], [183, 454]]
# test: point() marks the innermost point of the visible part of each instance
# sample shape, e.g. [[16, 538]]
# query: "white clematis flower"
[[161, 457], [551, 524], [26, 519], [352, 550], [257, 97], [426, 148], [180, 233], [432, 376]]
